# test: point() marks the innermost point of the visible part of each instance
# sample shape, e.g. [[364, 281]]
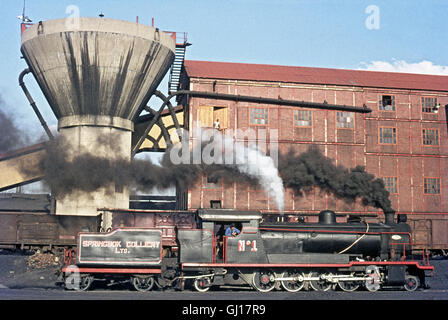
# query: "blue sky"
[[285, 32]]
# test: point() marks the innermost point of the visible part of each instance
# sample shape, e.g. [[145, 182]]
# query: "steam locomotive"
[[265, 255]]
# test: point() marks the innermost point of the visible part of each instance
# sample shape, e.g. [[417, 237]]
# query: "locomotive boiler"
[[335, 241]]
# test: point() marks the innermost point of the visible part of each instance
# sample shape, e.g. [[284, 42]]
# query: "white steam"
[[263, 169], [247, 159]]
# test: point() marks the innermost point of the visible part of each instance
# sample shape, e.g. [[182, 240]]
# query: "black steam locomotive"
[[293, 256]]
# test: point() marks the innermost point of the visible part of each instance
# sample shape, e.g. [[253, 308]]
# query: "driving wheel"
[[293, 285], [264, 280], [321, 284]]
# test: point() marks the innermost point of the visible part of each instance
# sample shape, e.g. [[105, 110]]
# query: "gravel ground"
[[27, 270], [28, 284], [440, 279]]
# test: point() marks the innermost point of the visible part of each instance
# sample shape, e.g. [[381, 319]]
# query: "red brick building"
[[403, 140]]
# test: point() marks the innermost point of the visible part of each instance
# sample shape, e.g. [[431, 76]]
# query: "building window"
[[432, 186], [428, 104], [345, 120], [211, 182], [388, 135], [215, 204], [255, 188], [390, 183], [430, 137], [387, 103], [258, 115], [303, 118]]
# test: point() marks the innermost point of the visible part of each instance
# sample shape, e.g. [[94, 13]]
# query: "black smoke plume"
[[87, 172], [84, 171], [144, 174], [11, 137], [311, 168]]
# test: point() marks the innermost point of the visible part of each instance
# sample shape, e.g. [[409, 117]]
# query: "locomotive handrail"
[[69, 256], [313, 213], [324, 231], [425, 254]]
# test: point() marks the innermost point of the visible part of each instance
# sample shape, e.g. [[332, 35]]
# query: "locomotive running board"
[[308, 265]]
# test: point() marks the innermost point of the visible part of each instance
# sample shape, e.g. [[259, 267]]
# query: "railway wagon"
[[43, 231]]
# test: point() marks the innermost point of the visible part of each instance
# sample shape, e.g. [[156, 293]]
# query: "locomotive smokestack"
[[389, 215]]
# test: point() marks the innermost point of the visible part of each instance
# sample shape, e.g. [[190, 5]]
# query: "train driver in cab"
[[232, 230]]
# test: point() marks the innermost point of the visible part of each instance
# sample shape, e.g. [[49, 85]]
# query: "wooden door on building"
[[207, 115]]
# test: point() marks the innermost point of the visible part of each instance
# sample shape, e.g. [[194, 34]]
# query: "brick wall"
[[407, 159]]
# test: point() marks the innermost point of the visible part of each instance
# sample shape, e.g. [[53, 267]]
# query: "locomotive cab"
[[210, 244]]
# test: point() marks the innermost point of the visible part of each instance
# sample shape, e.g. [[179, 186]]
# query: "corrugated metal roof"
[[309, 75]]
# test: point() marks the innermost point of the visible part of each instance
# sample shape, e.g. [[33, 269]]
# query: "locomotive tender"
[[293, 256]]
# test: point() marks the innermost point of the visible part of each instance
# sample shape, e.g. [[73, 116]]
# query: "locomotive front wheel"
[[202, 284], [411, 283], [321, 284], [293, 285], [143, 284], [263, 280]]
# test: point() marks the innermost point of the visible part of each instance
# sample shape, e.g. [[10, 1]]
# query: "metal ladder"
[[176, 67]]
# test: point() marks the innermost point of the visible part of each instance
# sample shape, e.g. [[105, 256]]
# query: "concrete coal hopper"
[[97, 76]]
